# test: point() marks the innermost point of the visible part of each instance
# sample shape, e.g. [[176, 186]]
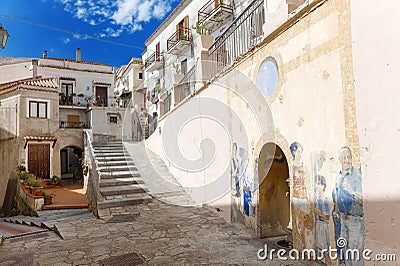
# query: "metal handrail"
[[81, 125], [93, 159], [244, 32], [210, 7], [182, 34], [151, 59]]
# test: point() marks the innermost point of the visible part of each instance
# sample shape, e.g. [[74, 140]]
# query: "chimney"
[[35, 67], [78, 54], [44, 54]]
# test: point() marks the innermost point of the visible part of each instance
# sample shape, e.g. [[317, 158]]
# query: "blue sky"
[[123, 21]]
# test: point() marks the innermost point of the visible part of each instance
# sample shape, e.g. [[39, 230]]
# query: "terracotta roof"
[[40, 83], [177, 8], [49, 138]]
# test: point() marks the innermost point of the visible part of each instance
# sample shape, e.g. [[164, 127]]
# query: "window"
[[267, 79], [113, 119], [158, 52], [140, 75], [38, 109]]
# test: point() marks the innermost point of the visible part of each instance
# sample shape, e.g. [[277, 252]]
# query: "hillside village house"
[[288, 88], [46, 103]]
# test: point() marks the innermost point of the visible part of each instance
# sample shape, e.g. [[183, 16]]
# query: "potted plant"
[[183, 36], [204, 41], [55, 180], [35, 185], [48, 198], [24, 176], [20, 168]]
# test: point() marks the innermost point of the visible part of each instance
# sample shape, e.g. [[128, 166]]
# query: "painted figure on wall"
[[302, 216], [322, 215], [235, 168], [247, 180], [348, 214]]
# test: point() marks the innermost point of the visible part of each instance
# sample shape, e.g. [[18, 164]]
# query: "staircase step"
[[109, 151], [102, 144], [120, 181], [111, 159], [122, 190], [112, 154], [119, 174], [115, 163], [125, 168], [134, 200]]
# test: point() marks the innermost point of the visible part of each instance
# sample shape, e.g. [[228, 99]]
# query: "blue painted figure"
[[348, 207]]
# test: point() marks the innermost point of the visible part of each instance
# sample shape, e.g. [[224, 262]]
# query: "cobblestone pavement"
[[162, 234]]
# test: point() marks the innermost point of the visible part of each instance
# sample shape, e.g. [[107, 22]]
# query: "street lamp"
[[3, 37]]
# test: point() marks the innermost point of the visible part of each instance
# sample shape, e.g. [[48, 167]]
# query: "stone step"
[[109, 151], [122, 190], [107, 144], [120, 181], [112, 154], [133, 200], [117, 168], [118, 174], [108, 159], [114, 163]]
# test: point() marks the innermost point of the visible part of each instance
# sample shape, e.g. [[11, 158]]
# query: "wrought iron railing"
[[182, 34], [211, 7], [66, 124], [187, 84], [244, 32], [154, 57]]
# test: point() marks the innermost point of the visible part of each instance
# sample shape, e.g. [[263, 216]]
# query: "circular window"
[[267, 79]]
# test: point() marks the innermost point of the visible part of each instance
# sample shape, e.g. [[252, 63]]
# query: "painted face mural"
[[348, 213]]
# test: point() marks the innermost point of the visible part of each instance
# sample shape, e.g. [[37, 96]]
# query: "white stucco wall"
[[376, 42]]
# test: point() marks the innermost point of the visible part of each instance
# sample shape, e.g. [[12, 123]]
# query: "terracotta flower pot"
[[48, 200]]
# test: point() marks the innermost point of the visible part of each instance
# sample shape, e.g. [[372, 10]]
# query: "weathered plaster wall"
[[376, 73], [313, 104], [100, 120], [8, 142]]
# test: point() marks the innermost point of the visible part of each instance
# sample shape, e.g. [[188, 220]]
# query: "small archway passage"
[[274, 200], [70, 159]]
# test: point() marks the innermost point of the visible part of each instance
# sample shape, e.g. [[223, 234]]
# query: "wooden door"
[[101, 95], [73, 121], [39, 160]]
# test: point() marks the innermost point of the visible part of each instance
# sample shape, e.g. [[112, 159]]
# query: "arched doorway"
[[70, 158], [274, 200]]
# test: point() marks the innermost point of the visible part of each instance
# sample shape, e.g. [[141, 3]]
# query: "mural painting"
[[242, 181], [334, 209], [348, 213], [303, 222]]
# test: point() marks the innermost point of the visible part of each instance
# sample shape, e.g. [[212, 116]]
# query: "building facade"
[[272, 137]]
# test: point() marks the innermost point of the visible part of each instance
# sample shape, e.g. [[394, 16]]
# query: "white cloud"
[[121, 15], [65, 40]]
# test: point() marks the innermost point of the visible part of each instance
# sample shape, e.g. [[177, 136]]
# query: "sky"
[[128, 22]]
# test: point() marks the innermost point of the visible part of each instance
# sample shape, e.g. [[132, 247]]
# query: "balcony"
[[72, 100], [214, 14], [81, 125], [186, 86], [244, 32], [179, 41], [153, 62]]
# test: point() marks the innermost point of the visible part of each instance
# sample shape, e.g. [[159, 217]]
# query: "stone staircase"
[[120, 182]]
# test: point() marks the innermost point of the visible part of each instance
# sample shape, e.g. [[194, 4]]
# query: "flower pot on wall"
[[48, 200]]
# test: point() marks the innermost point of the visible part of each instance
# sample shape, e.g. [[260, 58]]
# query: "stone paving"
[[161, 233]]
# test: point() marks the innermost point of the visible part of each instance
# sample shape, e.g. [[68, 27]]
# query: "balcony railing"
[[244, 32], [154, 57], [181, 35], [217, 11], [69, 100], [66, 124], [186, 85]]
